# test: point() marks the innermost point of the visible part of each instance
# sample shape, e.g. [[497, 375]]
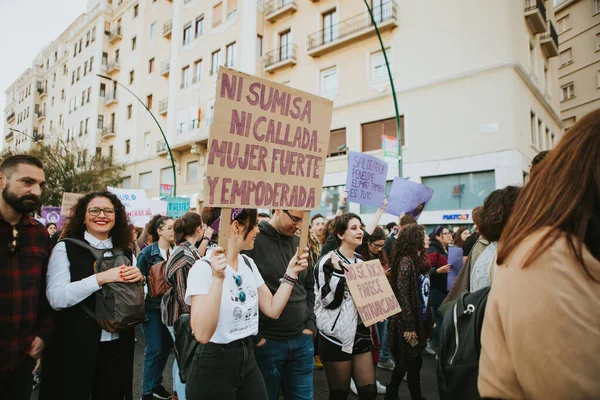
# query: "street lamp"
[[387, 64], [35, 139], [157, 124]]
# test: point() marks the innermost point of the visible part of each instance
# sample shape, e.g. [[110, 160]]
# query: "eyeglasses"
[[377, 246], [446, 233], [166, 228], [241, 294], [14, 244], [95, 211], [294, 220]]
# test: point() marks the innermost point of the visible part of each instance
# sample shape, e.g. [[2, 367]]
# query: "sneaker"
[[429, 349], [380, 388], [160, 392], [387, 364], [353, 387], [318, 363]]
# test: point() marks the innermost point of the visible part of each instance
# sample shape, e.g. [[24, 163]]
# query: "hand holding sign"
[[298, 263]]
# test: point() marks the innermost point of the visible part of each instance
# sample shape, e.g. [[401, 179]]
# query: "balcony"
[[549, 42], [167, 29], [108, 132], [353, 29], [535, 15], [115, 35], [165, 68], [277, 9], [41, 115], [110, 98], [283, 57], [38, 137], [9, 136], [42, 91], [10, 117], [161, 147], [163, 107], [113, 66]]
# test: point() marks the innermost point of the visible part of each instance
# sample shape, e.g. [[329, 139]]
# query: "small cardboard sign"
[[408, 197], [366, 179], [53, 215], [371, 291], [68, 201], [177, 206], [455, 258]]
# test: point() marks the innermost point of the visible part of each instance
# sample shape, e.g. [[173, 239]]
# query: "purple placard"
[[455, 258], [366, 178], [52, 214], [408, 197]]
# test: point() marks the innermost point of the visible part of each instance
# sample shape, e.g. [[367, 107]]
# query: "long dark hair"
[[340, 224], [157, 222], [457, 238], [186, 225], [411, 244], [563, 195], [121, 234]]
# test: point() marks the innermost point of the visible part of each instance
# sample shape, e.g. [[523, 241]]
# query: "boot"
[[391, 392]]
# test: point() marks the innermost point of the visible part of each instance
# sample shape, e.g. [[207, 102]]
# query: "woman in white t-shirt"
[[225, 291]]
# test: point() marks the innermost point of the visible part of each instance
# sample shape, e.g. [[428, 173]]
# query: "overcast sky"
[[26, 26]]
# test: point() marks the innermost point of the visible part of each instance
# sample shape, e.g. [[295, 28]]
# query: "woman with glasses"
[[225, 291], [83, 360], [158, 339], [437, 254]]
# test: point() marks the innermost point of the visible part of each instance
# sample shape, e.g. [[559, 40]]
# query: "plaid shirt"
[[24, 309]]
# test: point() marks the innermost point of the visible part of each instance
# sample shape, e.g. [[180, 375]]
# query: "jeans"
[[16, 384], [435, 301], [384, 351], [289, 364], [158, 345], [225, 372], [178, 385]]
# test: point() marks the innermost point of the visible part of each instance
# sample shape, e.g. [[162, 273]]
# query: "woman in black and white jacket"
[[344, 342]]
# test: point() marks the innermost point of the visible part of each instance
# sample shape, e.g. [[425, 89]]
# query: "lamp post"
[[23, 133], [157, 124], [387, 64]]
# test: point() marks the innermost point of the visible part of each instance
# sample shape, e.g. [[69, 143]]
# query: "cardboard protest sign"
[[268, 144], [165, 190], [53, 215], [408, 197], [177, 206], [455, 258], [68, 201], [371, 291], [366, 179], [136, 204]]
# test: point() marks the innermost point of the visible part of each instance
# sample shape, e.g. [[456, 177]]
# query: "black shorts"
[[331, 352]]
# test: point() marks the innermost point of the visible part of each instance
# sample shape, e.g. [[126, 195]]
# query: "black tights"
[[360, 368], [413, 377]]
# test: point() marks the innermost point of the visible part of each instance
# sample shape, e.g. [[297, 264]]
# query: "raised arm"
[[375, 221]]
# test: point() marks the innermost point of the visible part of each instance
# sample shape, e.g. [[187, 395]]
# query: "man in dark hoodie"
[[285, 354]]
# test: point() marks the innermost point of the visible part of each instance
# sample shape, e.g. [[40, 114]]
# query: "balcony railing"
[[9, 136], [163, 106], [115, 35], [165, 68], [168, 28], [161, 147], [42, 91], [549, 42], [113, 66], [38, 137], [353, 28], [10, 116], [41, 115], [109, 131], [276, 9], [535, 14], [110, 98], [281, 57]]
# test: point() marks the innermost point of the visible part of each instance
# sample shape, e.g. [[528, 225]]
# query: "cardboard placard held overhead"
[[68, 201], [371, 291], [408, 197], [366, 179], [268, 144]]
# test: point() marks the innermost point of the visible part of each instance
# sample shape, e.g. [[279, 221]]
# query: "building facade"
[[476, 86], [578, 26]]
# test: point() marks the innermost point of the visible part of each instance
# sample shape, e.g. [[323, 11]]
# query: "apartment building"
[[476, 86], [578, 25]]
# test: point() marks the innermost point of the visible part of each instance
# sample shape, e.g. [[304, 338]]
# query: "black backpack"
[[460, 347]]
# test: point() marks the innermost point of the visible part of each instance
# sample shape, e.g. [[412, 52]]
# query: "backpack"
[[460, 347], [157, 279], [119, 306]]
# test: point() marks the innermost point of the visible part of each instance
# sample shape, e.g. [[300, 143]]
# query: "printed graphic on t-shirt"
[[245, 301], [425, 286]]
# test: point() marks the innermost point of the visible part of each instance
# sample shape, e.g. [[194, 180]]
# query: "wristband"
[[289, 278], [341, 207], [283, 280]]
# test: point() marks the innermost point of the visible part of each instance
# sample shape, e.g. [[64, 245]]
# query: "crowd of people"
[[252, 315]]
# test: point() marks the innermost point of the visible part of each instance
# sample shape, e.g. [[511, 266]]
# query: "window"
[[569, 122], [117, 52], [330, 28], [93, 34], [199, 26], [216, 61], [532, 57], [596, 6], [127, 146], [131, 77], [81, 128], [60, 120], [532, 127], [185, 77], [217, 15], [136, 9], [152, 31], [145, 181], [566, 57], [100, 124], [197, 71], [567, 91], [126, 183], [87, 39], [564, 24], [330, 198], [85, 67], [372, 132], [104, 59], [151, 66], [337, 143], [547, 140], [597, 41], [147, 142], [259, 46], [78, 73], [129, 111], [62, 94], [211, 113], [87, 121], [598, 78], [187, 34], [329, 81], [133, 43], [460, 191], [230, 56], [52, 101], [73, 78], [166, 176], [378, 67], [540, 133], [83, 98], [149, 101], [192, 171], [232, 6], [285, 45], [102, 90], [91, 63]]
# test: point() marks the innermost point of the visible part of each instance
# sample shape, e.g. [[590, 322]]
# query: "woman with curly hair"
[[409, 330], [84, 361]]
